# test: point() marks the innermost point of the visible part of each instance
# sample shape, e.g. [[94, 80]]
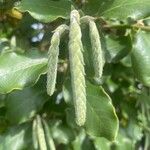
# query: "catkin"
[[97, 53], [34, 134], [53, 58], [40, 134], [77, 68], [48, 136]]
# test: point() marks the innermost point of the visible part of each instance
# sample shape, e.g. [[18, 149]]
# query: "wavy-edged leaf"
[[119, 9], [101, 120], [117, 47], [140, 57], [18, 71], [47, 10], [21, 106], [16, 138], [61, 133]]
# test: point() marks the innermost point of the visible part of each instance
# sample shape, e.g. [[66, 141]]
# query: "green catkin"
[[40, 134], [53, 58], [48, 136], [77, 68], [97, 53], [34, 134]]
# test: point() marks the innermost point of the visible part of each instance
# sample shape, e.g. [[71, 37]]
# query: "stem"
[[135, 26]]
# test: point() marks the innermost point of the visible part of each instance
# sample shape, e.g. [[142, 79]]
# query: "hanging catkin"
[[53, 58], [48, 136], [77, 68], [34, 134], [40, 134], [97, 53]]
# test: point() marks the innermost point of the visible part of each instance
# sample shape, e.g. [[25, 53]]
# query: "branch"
[[135, 26]]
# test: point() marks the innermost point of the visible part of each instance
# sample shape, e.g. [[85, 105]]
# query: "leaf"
[[4, 44], [47, 10], [101, 120], [61, 133], [102, 144], [18, 71], [3, 121], [101, 117], [119, 9], [82, 142], [16, 138], [140, 57], [6, 4], [147, 21], [21, 106], [2, 100], [117, 47], [123, 143]]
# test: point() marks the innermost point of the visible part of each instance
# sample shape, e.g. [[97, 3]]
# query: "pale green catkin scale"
[[53, 58], [40, 134], [97, 53], [34, 134], [77, 68]]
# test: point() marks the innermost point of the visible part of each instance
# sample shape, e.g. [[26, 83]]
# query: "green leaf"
[[101, 117], [16, 138], [117, 47], [6, 4], [102, 144], [47, 10], [78, 142], [123, 143], [2, 100], [140, 57], [119, 9], [3, 121], [21, 106], [61, 133], [147, 21], [18, 71], [82, 142], [4, 44]]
